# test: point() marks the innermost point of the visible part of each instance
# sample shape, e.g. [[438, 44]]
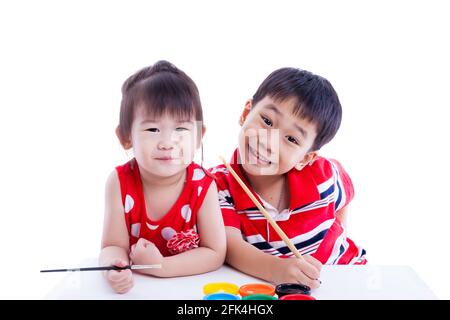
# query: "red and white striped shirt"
[[317, 192]]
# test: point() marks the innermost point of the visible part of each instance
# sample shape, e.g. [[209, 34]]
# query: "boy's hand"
[[121, 281], [292, 270], [145, 252]]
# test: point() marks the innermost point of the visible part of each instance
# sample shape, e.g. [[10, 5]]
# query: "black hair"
[[316, 99], [158, 89]]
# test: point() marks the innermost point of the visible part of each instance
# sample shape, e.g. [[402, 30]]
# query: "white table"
[[338, 282]]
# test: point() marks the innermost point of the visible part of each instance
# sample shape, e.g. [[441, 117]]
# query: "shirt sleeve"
[[344, 191], [226, 203], [230, 217]]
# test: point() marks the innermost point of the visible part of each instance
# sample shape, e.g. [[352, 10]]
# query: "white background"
[[62, 64]]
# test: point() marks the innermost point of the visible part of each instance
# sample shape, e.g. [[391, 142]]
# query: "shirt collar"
[[302, 187]]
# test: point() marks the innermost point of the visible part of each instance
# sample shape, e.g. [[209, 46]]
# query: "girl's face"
[[164, 146], [272, 140]]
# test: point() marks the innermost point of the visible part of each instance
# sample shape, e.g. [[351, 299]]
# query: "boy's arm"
[[115, 240], [249, 259], [341, 215], [210, 254], [246, 258], [345, 191]]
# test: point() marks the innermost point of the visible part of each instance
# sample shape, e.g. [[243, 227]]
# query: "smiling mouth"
[[261, 160], [165, 158]]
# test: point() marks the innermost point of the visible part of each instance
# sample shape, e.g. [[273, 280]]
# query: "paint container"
[[291, 288], [259, 297], [256, 288], [221, 296], [297, 296], [226, 287]]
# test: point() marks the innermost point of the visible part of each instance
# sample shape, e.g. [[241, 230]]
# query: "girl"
[[161, 207]]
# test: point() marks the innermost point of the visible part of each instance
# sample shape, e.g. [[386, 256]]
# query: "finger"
[[120, 263], [123, 283], [127, 274], [124, 290], [142, 242], [124, 287], [308, 269], [314, 262], [120, 275], [306, 280], [149, 244], [133, 247], [114, 276]]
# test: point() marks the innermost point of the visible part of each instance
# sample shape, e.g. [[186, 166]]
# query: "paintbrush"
[[272, 222], [131, 267]]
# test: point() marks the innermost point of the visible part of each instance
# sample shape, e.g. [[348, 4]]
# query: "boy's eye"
[[267, 121], [292, 139], [152, 129]]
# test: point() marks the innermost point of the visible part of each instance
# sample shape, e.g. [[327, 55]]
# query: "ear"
[[308, 159], [203, 131], [245, 112], [126, 143]]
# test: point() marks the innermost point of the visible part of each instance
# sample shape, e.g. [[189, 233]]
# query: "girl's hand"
[[293, 270], [145, 252], [121, 281]]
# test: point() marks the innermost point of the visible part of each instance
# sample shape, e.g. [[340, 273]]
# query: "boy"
[[291, 116]]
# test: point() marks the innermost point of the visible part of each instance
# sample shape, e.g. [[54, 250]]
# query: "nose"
[[264, 147], [165, 145], [261, 140], [168, 140], [266, 139]]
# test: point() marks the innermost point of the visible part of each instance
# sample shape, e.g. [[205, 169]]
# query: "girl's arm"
[[210, 254], [115, 241]]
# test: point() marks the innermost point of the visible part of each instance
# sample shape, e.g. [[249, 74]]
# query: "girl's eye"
[[267, 121], [181, 129], [292, 139], [152, 129]]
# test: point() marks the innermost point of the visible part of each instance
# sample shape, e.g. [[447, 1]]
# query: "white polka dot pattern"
[[167, 233], [198, 174], [186, 213], [151, 226], [129, 203], [135, 229]]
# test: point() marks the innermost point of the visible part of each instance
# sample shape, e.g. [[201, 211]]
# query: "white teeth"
[[260, 157]]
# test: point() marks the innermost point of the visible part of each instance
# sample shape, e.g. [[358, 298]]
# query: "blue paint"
[[221, 296]]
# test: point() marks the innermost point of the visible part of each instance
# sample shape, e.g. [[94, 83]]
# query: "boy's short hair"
[[316, 99], [158, 89]]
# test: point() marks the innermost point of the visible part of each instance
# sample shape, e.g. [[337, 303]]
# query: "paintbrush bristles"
[[263, 211]]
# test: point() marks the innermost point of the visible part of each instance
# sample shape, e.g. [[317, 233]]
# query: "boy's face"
[[163, 146], [273, 140]]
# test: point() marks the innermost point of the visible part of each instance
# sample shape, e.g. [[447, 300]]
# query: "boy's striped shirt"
[[316, 193]]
